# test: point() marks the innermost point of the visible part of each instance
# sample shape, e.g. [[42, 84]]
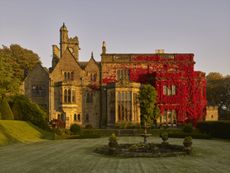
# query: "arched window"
[[65, 96], [69, 96], [68, 75], [65, 75], [71, 75], [73, 96], [79, 117], [75, 117]]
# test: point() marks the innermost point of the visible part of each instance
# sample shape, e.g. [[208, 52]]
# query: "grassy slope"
[[78, 156], [20, 131]]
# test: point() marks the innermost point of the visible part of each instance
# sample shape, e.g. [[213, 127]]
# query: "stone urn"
[[164, 137], [188, 144]]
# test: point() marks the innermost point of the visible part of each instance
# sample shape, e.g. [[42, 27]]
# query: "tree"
[[8, 83], [149, 109], [218, 93], [214, 76], [22, 59], [14, 62]]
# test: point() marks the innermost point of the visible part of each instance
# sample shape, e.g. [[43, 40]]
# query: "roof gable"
[[67, 62]]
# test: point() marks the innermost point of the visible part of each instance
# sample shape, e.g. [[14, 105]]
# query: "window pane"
[[173, 90], [164, 90], [169, 91]]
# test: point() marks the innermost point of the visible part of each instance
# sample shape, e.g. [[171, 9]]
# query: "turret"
[[63, 39], [103, 48], [73, 45]]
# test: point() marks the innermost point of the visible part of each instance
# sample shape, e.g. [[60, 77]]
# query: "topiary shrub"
[[5, 110], [188, 128], [75, 128], [113, 141]]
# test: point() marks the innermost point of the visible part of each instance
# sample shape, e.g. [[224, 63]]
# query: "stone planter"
[[187, 144]]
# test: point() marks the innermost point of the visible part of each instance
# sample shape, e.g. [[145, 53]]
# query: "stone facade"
[[212, 113], [105, 93], [36, 86]]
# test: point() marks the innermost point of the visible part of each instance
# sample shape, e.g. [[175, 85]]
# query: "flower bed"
[[143, 150]]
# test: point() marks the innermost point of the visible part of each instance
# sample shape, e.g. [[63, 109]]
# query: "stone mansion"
[[106, 92]]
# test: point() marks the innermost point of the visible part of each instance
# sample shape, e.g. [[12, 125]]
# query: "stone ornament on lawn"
[[142, 149], [164, 137], [188, 144]]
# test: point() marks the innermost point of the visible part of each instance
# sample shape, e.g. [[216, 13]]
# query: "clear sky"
[[201, 27]]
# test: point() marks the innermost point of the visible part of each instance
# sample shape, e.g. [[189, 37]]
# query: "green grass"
[[20, 131], [77, 156]]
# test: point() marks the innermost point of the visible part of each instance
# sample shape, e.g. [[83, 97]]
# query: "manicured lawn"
[[77, 156], [12, 131]]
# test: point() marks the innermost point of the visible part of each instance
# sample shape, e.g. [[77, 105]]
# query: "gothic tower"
[[71, 43]]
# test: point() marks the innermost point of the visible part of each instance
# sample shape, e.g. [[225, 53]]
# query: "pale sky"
[[201, 27]]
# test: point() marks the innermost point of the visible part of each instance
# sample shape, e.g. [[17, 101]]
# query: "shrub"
[[218, 129], [59, 131], [113, 141], [5, 110], [88, 126], [127, 125], [26, 110], [75, 128], [188, 139], [187, 128], [164, 136]]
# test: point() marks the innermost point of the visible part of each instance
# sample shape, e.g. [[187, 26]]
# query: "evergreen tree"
[[149, 110]]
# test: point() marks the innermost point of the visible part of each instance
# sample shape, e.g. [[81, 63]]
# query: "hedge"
[[26, 110], [5, 110], [194, 135], [218, 129]]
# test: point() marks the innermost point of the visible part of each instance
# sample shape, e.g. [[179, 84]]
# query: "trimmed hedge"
[[26, 110], [85, 136], [5, 110], [188, 128], [75, 128], [194, 135], [218, 129]]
